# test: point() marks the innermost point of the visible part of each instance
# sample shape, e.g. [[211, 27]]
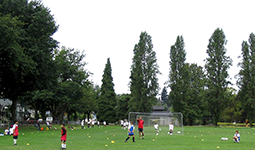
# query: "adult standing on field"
[[63, 136], [140, 127]]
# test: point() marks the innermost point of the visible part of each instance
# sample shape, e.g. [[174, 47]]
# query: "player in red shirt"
[[15, 132], [63, 136], [140, 127]]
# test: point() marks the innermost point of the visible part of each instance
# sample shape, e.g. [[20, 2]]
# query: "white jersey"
[[98, 123], [171, 127], [104, 123], [6, 131], [11, 131], [156, 126], [238, 135], [82, 123], [121, 122]]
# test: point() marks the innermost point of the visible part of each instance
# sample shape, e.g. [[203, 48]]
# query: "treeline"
[[204, 93], [35, 72]]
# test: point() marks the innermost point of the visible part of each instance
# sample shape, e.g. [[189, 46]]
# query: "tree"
[[72, 79], [216, 67], [107, 98], [177, 76], [194, 101], [144, 82], [30, 65], [246, 80], [88, 103], [233, 111], [122, 106], [164, 97]]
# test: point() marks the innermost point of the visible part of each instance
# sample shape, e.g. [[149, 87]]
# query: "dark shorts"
[[63, 141], [15, 137], [140, 129]]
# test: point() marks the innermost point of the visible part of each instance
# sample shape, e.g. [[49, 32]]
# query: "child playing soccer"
[[156, 127], [131, 130], [171, 128], [15, 132], [6, 131], [236, 137], [63, 136]]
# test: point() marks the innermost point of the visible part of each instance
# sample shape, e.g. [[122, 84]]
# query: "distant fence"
[[74, 122], [231, 124]]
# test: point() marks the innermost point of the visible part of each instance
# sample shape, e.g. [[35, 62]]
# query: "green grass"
[[194, 138]]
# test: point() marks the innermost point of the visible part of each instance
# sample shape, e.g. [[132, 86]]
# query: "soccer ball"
[[168, 132]]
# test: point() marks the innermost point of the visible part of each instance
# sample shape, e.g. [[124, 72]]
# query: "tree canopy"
[[144, 81], [216, 66]]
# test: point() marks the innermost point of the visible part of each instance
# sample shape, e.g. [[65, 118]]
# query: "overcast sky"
[[111, 28]]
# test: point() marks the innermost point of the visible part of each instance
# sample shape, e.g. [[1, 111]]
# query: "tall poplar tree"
[[246, 80], [195, 107], [144, 82], [216, 67], [177, 75], [107, 98]]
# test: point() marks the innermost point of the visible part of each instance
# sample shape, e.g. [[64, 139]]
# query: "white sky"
[[111, 28]]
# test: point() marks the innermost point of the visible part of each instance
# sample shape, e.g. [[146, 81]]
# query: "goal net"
[[162, 119]]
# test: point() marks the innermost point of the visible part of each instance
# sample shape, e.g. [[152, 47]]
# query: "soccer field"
[[194, 138]]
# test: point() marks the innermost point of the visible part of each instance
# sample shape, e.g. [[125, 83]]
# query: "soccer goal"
[[162, 119]]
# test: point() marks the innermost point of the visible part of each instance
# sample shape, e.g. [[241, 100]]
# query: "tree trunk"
[[88, 113], [13, 110], [43, 114], [36, 114], [75, 116]]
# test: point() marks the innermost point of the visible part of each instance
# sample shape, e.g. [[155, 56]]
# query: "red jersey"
[[140, 123], [15, 130], [63, 134]]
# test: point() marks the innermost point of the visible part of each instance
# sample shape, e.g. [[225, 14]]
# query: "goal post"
[[163, 119]]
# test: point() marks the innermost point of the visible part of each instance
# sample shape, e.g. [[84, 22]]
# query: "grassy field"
[[194, 138]]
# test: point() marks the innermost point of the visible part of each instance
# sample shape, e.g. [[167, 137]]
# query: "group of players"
[[92, 122], [131, 128]]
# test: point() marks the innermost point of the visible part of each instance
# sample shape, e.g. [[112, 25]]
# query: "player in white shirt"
[[125, 125], [156, 127], [6, 131], [236, 137], [82, 124], [89, 123], [93, 123], [121, 124], [98, 123], [104, 123], [171, 128]]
